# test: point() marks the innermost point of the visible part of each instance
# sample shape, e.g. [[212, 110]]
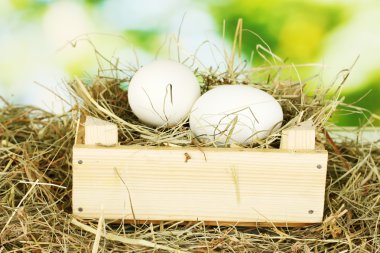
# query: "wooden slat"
[[214, 185], [207, 223]]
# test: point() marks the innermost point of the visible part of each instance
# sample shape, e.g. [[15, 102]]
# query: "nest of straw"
[[35, 202], [36, 177], [105, 98]]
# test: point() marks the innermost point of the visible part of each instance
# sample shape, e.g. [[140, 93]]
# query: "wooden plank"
[[223, 185], [301, 137], [100, 132], [207, 223]]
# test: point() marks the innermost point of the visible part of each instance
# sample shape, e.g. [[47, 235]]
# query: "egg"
[[236, 114], [163, 92]]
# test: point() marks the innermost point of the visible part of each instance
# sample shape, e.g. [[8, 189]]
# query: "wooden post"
[[301, 137], [100, 132]]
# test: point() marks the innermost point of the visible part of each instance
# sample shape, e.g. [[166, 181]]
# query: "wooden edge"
[[77, 129], [203, 149], [206, 223], [79, 135]]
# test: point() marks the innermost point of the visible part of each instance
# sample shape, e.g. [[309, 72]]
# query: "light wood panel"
[[223, 185]]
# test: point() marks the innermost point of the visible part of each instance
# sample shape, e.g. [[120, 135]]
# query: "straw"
[[36, 176]]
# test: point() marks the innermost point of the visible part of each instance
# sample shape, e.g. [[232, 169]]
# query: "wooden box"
[[238, 186]]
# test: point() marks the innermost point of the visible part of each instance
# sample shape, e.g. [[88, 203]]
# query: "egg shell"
[[235, 114], [163, 92]]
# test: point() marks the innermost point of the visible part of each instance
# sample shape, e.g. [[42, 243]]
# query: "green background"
[[35, 34]]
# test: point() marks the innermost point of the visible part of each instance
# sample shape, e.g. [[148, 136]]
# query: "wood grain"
[[246, 186], [100, 132], [207, 223], [301, 137]]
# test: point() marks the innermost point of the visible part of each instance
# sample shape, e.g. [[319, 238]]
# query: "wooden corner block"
[[300, 137], [99, 131]]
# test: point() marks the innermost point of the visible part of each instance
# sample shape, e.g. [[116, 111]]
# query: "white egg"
[[235, 114], [163, 92]]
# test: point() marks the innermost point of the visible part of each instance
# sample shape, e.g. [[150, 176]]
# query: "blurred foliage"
[[368, 97], [37, 5], [293, 29], [23, 4], [94, 1], [149, 40], [30, 9]]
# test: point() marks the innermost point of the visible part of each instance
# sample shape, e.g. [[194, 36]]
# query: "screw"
[[319, 166], [80, 162], [80, 209], [311, 211]]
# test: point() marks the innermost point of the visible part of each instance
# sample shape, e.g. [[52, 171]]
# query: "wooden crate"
[[238, 186]]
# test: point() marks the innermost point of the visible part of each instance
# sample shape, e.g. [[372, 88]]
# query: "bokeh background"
[[47, 42]]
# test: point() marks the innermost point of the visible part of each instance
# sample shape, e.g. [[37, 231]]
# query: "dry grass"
[[106, 100], [35, 202], [36, 176]]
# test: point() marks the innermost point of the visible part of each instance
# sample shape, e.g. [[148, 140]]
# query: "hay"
[[105, 99], [36, 176], [35, 202]]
